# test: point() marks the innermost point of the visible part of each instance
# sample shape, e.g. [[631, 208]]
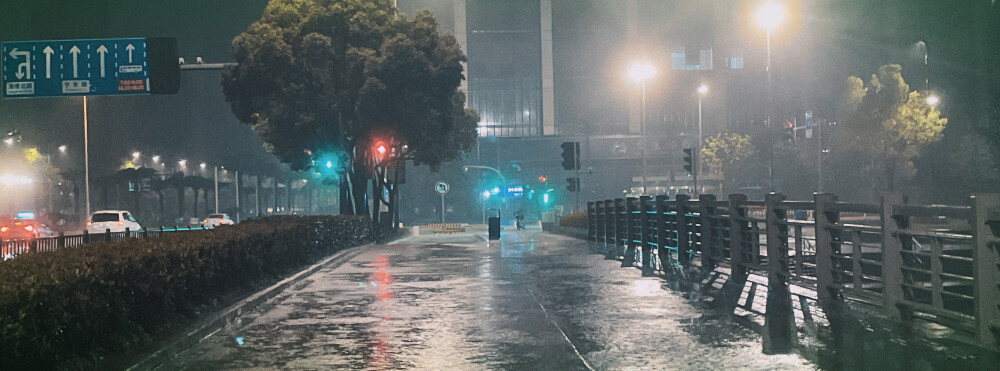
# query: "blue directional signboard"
[[60, 68]]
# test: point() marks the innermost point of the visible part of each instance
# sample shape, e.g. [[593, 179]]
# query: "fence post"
[[733, 287], [707, 211], [683, 239], [661, 232], [628, 258], [609, 220], [647, 268], [107, 234], [825, 237], [61, 240], [86, 237], [986, 271], [779, 320], [619, 224], [892, 256], [591, 221]]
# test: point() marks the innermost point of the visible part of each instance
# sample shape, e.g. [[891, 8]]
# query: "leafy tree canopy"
[[723, 152], [312, 75], [889, 124]]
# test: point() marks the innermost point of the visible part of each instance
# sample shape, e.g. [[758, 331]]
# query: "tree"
[[320, 76], [889, 125], [723, 153]]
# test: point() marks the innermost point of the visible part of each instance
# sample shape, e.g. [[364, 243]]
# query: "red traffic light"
[[541, 178]]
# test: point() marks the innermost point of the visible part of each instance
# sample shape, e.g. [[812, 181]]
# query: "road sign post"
[[442, 188]]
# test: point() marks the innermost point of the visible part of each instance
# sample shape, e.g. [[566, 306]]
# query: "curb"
[[228, 315]]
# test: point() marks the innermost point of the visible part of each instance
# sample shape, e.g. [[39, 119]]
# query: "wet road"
[[530, 301]]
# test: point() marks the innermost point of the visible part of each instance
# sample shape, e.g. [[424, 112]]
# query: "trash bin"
[[494, 223]]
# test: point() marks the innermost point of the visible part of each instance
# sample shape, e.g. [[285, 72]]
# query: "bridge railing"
[[907, 262]]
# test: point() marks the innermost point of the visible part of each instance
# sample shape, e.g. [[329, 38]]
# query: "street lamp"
[[922, 46], [640, 72], [702, 90], [933, 100], [768, 17], [62, 149]]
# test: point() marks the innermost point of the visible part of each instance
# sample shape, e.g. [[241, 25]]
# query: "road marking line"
[[570, 342]]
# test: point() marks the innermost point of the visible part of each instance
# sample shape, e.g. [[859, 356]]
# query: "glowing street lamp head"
[[933, 100], [641, 71], [182, 163], [156, 158], [62, 148], [770, 14], [203, 165], [136, 154], [703, 89], [329, 164]]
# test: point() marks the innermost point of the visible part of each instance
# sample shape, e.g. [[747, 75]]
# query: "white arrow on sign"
[[130, 48], [75, 51], [48, 61], [26, 65], [102, 51]]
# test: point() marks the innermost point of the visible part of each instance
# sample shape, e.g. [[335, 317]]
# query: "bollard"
[[61, 240], [107, 234], [494, 226], [86, 237]]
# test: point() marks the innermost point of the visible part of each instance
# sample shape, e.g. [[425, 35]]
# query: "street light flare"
[[770, 15], [641, 71], [933, 100], [703, 89]]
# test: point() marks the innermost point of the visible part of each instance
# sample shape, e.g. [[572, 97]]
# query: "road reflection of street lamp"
[[640, 72], [702, 91]]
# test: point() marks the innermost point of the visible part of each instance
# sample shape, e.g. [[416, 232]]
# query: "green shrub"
[[76, 303], [574, 220]]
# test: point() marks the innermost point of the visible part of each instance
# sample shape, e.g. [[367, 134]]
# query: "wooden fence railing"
[[908, 262]]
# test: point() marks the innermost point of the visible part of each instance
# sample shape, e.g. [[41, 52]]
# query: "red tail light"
[[88, 222], [120, 222]]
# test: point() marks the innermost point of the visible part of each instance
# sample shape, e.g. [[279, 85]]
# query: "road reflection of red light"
[[381, 356]]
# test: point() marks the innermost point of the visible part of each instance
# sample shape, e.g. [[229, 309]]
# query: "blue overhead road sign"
[[59, 68]]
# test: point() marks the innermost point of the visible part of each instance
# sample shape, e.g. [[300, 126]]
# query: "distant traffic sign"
[[74, 67], [441, 187]]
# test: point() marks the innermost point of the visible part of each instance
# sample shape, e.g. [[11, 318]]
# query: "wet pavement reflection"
[[528, 301]]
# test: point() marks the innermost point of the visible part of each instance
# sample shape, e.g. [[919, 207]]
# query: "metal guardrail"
[[877, 255], [12, 248]]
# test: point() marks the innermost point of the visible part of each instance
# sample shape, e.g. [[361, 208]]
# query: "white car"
[[114, 220], [215, 220]]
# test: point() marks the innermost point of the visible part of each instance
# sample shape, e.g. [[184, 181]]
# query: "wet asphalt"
[[531, 301]]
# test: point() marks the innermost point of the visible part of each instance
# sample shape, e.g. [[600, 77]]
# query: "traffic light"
[[571, 155], [689, 159], [573, 184], [789, 131]]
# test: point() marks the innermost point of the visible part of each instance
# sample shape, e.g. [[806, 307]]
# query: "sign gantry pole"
[[86, 159]]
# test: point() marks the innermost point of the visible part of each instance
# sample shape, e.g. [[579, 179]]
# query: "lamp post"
[[768, 16], [702, 90], [640, 72]]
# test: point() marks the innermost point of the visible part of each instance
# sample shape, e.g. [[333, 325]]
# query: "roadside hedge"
[[574, 220], [68, 307]]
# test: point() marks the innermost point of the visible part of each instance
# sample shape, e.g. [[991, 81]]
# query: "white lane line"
[[570, 342]]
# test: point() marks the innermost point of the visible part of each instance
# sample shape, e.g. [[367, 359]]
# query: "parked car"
[[215, 220], [114, 220]]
